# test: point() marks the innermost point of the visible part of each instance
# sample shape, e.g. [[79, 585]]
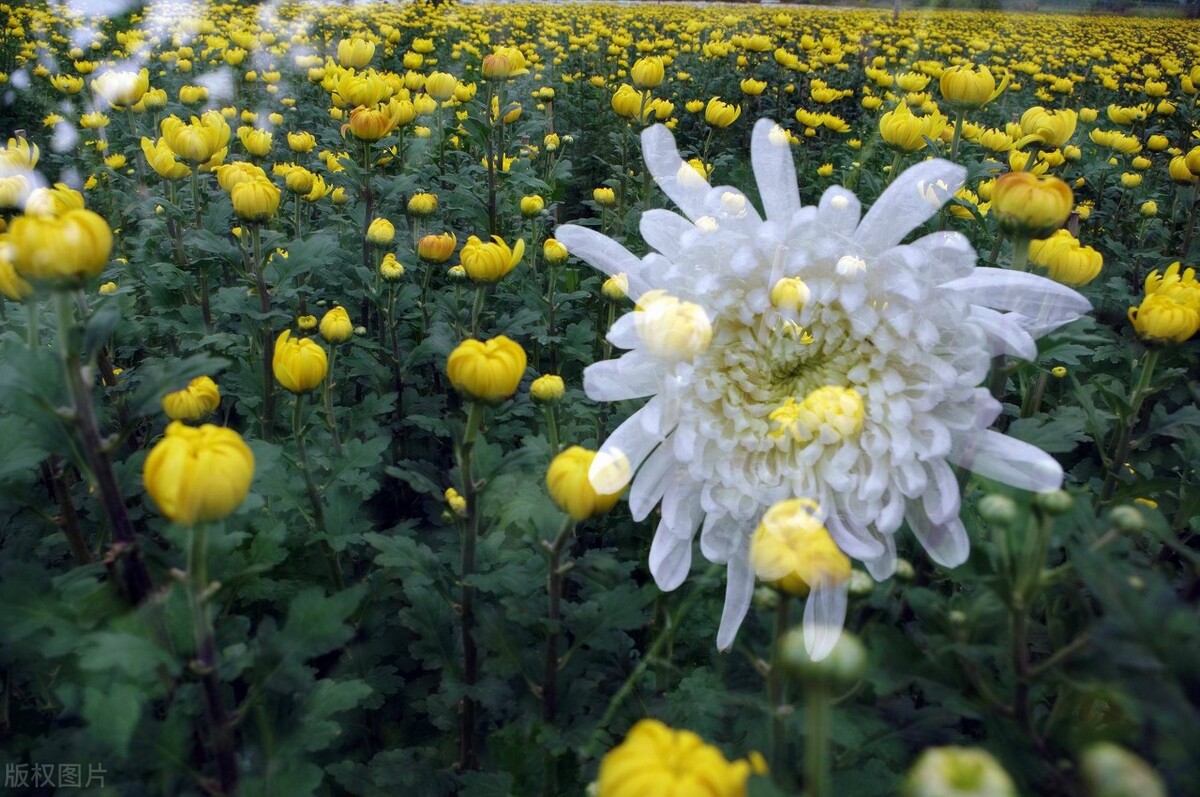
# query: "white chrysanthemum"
[[858, 388]]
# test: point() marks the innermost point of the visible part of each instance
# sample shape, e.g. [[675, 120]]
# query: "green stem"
[[1020, 257], [895, 170], [551, 426], [33, 328], [467, 758], [957, 140], [268, 336], [125, 556], [477, 309], [330, 416], [777, 689], [1121, 450], [818, 721], [206, 662]]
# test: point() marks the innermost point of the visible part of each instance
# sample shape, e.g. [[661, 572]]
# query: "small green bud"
[[904, 570], [861, 584], [957, 772], [843, 666], [1112, 771], [1127, 519], [766, 598], [1055, 502], [998, 509], [958, 617]]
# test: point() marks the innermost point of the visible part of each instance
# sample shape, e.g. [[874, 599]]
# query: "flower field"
[[629, 400]]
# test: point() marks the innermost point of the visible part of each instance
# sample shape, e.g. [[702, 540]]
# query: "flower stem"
[[777, 688], [467, 757], [554, 584], [1121, 450], [330, 416], [957, 140], [125, 556], [551, 427], [477, 309], [818, 716], [205, 664], [264, 306]]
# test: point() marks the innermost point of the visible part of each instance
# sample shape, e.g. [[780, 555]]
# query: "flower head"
[[195, 402], [856, 388], [195, 475], [655, 759]]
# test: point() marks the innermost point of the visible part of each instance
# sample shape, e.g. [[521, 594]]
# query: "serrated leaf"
[[1055, 434]]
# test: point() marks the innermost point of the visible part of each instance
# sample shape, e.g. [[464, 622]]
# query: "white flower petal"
[[905, 204], [604, 254], [720, 537], [774, 171], [739, 589], [855, 542], [824, 616], [1005, 333], [882, 566], [996, 456], [651, 482], [622, 453], [942, 499], [1044, 303], [946, 543], [663, 161], [664, 231], [633, 375], [670, 555], [838, 212]]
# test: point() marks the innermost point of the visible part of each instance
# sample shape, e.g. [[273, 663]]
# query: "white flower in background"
[[808, 355]]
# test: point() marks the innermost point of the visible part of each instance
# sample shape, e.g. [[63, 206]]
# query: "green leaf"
[[113, 714], [1055, 434], [316, 623], [125, 653]]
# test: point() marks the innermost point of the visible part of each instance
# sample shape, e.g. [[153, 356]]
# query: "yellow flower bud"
[[421, 205], [647, 73], [1149, 208], [381, 231], [670, 328], [458, 504], [721, 114], [1131, 179], [489, 262], [547, 388], [790, 294], [12, 287], [604, 197], [436, 248], [255, 200], [487, 370], [1066, 260], [195, 402], [390, 268], [441, 85], [532, 205], [968, 87], [299, 364], [306, 323], [301, 142], [108, 289], [1179, 171], [567, 480], [336, 326], [554, 251], [256, 142], [198, 475], [1160, 318], [615, 288], [656, 760], [68, 248], [355, 53], [792, 549], [1028, 205]]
